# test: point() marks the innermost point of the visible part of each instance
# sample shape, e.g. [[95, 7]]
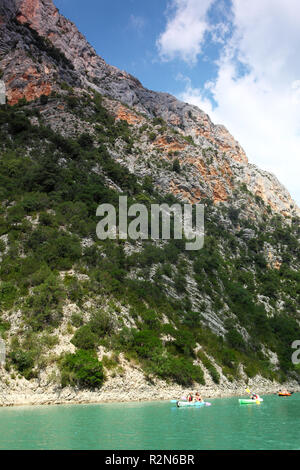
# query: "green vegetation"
[[189, 139], [82, 369], [176, 166], [50, 188], [209, 366], [23, 361]]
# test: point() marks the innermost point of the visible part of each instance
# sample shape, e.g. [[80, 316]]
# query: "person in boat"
[[254, 396], [198, 397], [190, 397]]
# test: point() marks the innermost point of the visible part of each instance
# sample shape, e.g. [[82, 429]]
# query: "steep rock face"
[[40, 49], [63, 155], [30, 64]]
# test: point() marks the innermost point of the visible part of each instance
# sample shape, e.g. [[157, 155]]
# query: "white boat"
[[182, 404]]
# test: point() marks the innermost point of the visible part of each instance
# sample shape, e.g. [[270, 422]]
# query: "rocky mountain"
[[76, 132], [30, 73]]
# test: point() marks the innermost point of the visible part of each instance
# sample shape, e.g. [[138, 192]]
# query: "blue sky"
[[235, 59], [124, 33]]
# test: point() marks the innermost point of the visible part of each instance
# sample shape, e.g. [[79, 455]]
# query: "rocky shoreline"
[[37, 396], [129, 385]]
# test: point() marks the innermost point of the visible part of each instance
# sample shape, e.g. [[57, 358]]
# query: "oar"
[[256, 401]]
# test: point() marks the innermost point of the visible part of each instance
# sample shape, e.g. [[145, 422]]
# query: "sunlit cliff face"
[[40, 50]]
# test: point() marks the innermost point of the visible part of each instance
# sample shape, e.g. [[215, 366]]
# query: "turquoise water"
[[275, 424]]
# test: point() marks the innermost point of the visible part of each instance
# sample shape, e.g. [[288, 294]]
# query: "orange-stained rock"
[[126, 114], [221, 138], [197, 195], [216, 177], [30, 92], [206, 171], [220, 193], [175, 120], [226, 170], [28, 11], [169, 144], [226, 143], [277, 265], [193, 196], [33, 86], [273, 263]]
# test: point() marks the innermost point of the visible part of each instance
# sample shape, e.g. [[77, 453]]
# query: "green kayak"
[[246, 401]]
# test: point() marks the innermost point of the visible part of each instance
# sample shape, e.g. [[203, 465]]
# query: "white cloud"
[[261, 106], [195, 96], [137, 23], [185, 30]]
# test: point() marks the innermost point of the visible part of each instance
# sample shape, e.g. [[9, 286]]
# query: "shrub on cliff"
[[209, 366], [236, 340], [8, 295], [178, 369], [176, 166], [152, 136], [44, 99], [82, 369], [100, 323], [145, 342], [85, 140], [84, 338], [23, 361], [44, 306]]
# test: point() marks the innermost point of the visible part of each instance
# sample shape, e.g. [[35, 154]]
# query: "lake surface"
[[275, 424]]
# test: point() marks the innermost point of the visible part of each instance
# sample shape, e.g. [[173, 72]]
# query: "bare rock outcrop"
[[40, 49]]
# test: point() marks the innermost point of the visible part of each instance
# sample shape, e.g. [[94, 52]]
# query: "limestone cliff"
[[77, 132], [40, 49]]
